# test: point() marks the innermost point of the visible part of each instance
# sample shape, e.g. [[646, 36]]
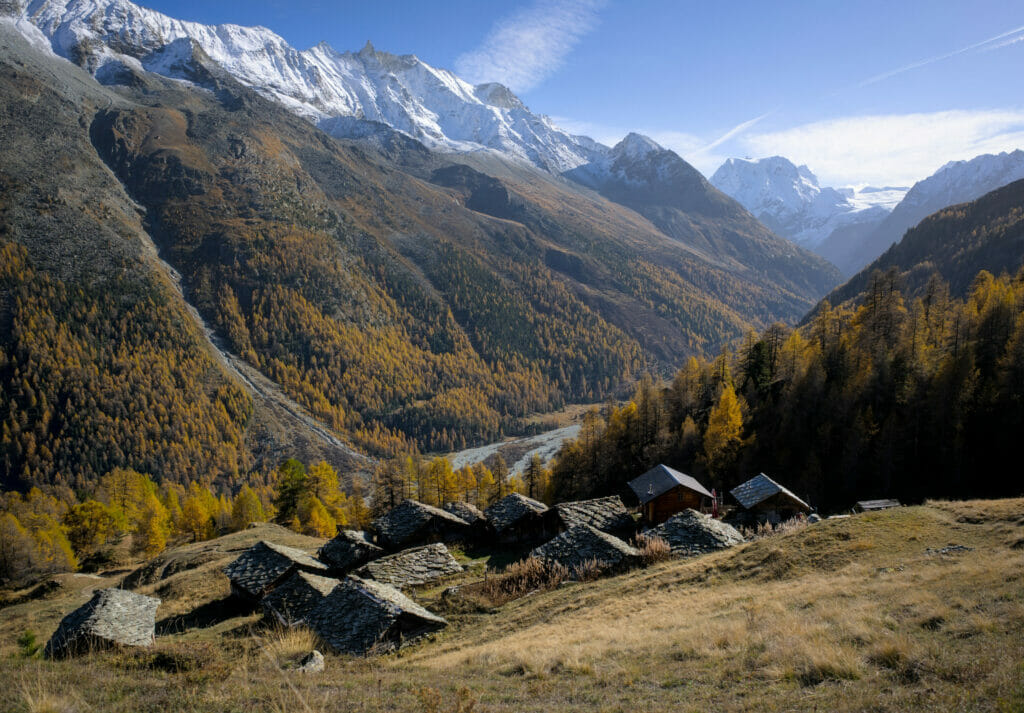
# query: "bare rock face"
[[582, 546], [112, 617], [365, 617], [692, 533], [412, 567]]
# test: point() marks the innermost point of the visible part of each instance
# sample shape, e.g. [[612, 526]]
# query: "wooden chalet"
[[663, 492], [761, 499]]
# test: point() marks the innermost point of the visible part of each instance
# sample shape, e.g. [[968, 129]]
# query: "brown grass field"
[[859, 614]]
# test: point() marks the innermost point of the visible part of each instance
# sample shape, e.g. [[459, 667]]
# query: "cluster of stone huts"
[[350, 592]]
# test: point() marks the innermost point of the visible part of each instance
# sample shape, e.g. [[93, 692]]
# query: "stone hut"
[[349, 549], [413, 523], [517, 518], [112, 617], [663, 492], [363, 617], [871, 505], [693, 533], [606, 514], [479, 528], [410, 568], [261, 567], [582, 546], [291, 601], [764, 500]]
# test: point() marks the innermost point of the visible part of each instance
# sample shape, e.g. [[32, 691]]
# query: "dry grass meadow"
[[917, 609]]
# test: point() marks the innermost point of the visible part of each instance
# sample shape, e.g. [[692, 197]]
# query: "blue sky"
[[866, 92]]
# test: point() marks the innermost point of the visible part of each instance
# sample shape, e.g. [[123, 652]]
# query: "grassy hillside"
[[917, 609]]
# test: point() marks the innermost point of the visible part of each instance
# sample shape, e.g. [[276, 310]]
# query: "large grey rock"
[[313, 662], [582, 546], [412, 567], [349, 549], [363, 617], [291, 601], [260, 568], [693, 533], [413, 522], [111, 617]]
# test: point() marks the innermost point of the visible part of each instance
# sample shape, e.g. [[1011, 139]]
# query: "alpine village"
[[338, 381]]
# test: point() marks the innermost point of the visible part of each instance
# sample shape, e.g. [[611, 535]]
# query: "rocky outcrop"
[[112, 617], [412, 567], [349, 549], [692, 533], [582, 548], [365, 617], [260, 568]]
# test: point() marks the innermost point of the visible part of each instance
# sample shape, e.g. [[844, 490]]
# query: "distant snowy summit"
[[321, 84], [790, 201]]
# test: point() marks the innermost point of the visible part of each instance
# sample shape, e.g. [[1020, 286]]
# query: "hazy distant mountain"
[[956, 242], [956, 182], [790, 200]]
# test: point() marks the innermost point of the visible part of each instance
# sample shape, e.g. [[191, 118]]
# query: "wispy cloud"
[[992, 43], [899, 149], [733, 133], [526, 47]]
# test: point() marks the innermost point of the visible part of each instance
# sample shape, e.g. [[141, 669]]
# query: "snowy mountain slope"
[[320, 84], [790, 201], [956, 182]]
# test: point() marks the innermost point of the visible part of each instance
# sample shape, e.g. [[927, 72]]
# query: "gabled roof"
[[411, 567], [361, 616], [465, 511], [406, 522], [693, 533], [581, 545], [112, 616], [659, 480], [760, 488], [511, 509], [349, 549], [292, 600], [261, 566], [606, 514]]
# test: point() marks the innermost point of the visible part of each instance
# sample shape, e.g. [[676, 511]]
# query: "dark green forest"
[[883, 396]]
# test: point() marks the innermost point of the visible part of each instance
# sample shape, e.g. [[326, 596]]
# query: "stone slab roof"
[[411, 520], [412, 567], [363, 617], [693, 533], [292, 600], [264, 564], [867, 505], [465, 511], [111, 617], [760, 488], [659, 480], [349, 549], [511, 509], [606, 514], [580, 545]]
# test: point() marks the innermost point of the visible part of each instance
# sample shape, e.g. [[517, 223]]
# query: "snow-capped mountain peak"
[[321, 84], [790, 200], [635, 146]]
